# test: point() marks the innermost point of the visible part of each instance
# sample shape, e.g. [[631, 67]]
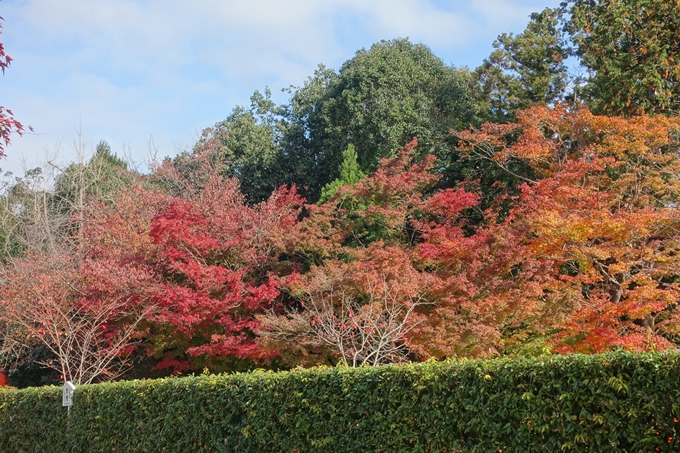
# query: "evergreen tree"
[[350, 173]]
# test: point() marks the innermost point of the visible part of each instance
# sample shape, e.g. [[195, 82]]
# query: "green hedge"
[[606, 403]]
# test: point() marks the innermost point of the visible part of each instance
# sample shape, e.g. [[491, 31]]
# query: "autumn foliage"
[[602, 214], [205, 262], [553, 230], [581, 257]]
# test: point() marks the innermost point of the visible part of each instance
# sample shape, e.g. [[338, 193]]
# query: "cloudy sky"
[[136, 72]]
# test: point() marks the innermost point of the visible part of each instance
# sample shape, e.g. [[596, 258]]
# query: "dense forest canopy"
[[394, 209]]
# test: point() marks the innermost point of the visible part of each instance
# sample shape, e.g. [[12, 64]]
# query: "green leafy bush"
[[604, 403]]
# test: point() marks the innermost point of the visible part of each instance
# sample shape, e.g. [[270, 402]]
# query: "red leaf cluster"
[[204, 259], [8, 123]]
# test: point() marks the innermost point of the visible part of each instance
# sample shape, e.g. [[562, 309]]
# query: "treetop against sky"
[[133, 71]]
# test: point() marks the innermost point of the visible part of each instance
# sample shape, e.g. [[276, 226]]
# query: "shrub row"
[[613, 402]]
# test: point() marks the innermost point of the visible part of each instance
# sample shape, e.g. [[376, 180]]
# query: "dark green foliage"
[[385, 96], [524, 70], [245, 146], [608, 403], [379, 100], [632, 51], [627, 50], [304, 158]]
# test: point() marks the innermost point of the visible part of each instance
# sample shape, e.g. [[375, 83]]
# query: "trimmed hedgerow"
[[603, 403]]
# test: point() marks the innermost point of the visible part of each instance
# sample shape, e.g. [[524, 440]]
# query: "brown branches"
[[90, 338], [368, 326]]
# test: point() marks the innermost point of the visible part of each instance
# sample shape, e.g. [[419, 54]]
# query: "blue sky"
[[136, 71]]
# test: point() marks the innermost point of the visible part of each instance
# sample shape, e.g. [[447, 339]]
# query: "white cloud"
[[506, 15], [420, 20], [246, 39]]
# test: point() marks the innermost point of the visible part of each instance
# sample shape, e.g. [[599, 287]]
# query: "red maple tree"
[[208, 261], [390, 227]]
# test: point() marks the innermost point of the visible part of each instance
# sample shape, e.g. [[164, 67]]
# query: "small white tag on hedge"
[[67, 394]]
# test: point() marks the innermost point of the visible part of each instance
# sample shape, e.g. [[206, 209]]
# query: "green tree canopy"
[[627, 49], [246, 145], [631, 49], [524, 70], [378, 100], [385, 96]]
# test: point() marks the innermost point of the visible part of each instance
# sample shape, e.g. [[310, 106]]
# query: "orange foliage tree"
[[602, 214]]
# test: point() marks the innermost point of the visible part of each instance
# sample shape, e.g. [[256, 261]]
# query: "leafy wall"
[[613, 402]]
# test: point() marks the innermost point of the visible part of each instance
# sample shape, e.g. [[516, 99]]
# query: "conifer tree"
[[350, 173]]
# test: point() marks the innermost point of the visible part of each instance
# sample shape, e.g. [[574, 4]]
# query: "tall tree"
[[390, 93], [627, 50], [602, 214], [380, 99], [247, 147], [631, 49], [524, 70]]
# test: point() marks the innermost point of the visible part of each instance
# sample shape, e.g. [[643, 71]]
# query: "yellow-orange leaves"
[[604, 211]]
